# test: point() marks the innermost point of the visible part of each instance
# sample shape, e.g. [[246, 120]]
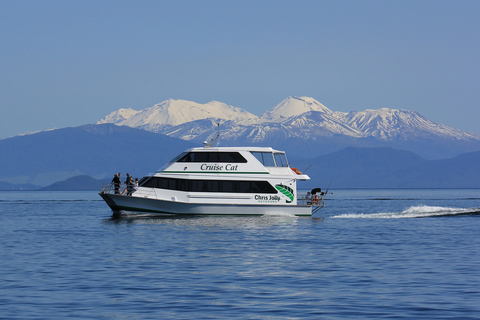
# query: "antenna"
[[209, 144], [307, 168], [326, 192]]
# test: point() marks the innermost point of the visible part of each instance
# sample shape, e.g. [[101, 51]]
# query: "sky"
[[69, 63]]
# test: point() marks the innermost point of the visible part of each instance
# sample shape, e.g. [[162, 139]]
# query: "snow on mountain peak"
[[299, 116], [387, 124], [176, 112], [118, 116], [293, 106]]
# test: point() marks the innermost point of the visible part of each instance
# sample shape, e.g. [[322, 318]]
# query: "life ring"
[[296, 170]]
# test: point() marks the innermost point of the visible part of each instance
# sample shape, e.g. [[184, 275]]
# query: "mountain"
[[371, 148], [462, 171], [77, 183], [176, 112], [389, 168], [16, 187], [79, 157], [96, 150], [359, 168], [389, 124], [301, 125], [293, 106]]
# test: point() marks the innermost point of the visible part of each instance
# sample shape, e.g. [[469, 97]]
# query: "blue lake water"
[[370, 254]]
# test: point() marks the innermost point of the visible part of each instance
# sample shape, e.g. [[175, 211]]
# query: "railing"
[[315, 201], [107, 188]]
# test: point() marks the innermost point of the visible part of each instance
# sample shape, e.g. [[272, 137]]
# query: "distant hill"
[[360, 168], [78, 183], [95, 150], [5, 186], [389, 168]]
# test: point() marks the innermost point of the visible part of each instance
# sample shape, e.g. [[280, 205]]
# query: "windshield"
[[281, 160], [266, 158]]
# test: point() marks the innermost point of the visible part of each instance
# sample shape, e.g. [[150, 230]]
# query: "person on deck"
[[127, 183], [309, 198], [130, 185], [116, 183], [135, 185]]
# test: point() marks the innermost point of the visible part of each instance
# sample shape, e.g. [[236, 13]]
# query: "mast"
[[209, 144]]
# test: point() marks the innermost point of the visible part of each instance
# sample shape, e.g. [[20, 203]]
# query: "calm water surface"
[[369, 254]]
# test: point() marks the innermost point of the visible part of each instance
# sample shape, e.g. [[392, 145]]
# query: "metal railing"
[[316, 201], [107, 188]]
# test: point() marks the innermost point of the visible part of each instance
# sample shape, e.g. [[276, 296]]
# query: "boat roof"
[[219, 149]]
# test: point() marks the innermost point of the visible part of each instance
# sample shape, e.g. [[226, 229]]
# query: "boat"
[[220, 181]]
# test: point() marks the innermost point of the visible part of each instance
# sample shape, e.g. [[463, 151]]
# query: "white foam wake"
[[416, 212]]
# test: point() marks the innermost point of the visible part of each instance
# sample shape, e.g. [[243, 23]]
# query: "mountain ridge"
[[99, 151], [352, 167], [176, 112], [300, 119], [293, 106], [386, 167], [96, 150]]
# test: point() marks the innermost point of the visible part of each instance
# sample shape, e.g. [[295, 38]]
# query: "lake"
[[370, 254]]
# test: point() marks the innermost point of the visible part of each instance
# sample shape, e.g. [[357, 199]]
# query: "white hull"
[[218, 181], [132, 203]]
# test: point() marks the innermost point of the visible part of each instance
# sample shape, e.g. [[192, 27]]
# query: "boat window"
[[281, 160], [142, 181], [230, 157], [266, 158], [181, 155], [189, 185]]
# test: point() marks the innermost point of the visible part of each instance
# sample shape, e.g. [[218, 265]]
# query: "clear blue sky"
[[68, 63]]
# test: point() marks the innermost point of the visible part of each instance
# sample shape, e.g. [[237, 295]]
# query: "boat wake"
[[416, 212]]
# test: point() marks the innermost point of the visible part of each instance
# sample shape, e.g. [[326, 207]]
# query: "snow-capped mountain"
[[293, 106], [176, 112], [301, 123], [119, 116], [387, 124]]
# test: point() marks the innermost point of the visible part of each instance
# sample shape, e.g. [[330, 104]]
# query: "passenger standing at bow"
[[130, 186], [116, 183], [127, 183]]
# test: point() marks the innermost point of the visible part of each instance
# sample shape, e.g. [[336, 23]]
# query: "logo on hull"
[[286, 191]]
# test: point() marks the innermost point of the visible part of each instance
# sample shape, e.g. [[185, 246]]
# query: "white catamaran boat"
[[220, 181]]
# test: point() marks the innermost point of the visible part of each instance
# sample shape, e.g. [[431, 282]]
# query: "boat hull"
[[132, 203]]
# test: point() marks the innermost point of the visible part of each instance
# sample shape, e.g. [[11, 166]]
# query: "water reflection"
[[203, 221]]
